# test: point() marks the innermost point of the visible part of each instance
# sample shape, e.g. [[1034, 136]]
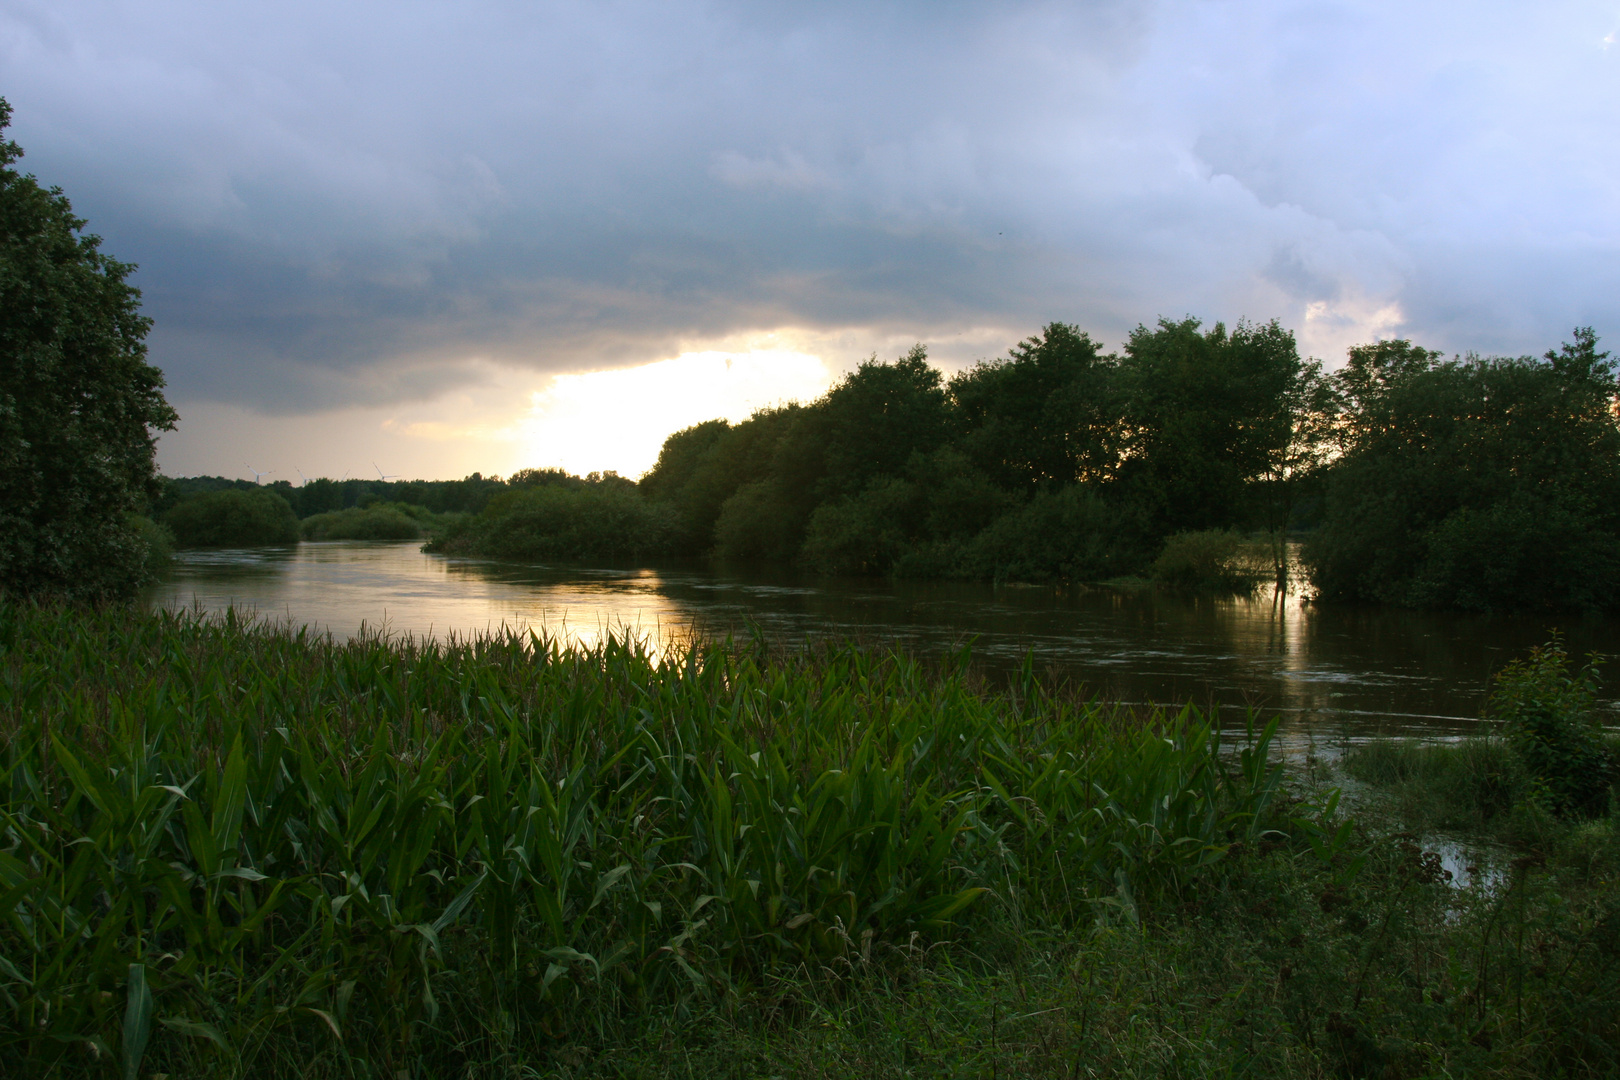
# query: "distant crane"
[[257, 475], [380, 476]]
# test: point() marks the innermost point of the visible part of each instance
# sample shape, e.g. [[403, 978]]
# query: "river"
[[1331, 674]]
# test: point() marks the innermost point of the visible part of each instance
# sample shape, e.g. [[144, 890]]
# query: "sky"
[[428, 239]]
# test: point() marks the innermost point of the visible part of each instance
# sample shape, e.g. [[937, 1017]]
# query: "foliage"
[[78, 402], [377, 521], [864, 533], [324, 495], [705, 466], [759, 521], [1044, 417], [229, 833], [1482, 484], [158, 541], [229, 849], [1212, 559], [1069, 534], [1471, 785], [232, 518], [1055, 462], [1293, 970], [870, 425], [600, 518], [1547, 715], [1205, 415]]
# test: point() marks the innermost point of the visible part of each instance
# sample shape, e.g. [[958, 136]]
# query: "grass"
[[234, 849], [1463, 786]]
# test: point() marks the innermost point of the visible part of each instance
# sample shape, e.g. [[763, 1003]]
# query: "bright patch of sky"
[[493, 234]]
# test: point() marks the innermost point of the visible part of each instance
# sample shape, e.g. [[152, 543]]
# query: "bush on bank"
[[1212, 559], [609, 519], [1484, 484], [377, 521], [232, 518]]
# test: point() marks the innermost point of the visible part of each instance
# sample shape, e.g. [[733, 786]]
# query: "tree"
[[79, 404], [1205, 416], [1045, 416], [876, 418], [1480, 484]]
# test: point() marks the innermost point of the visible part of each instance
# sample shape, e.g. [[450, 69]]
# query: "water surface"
[[1330, 673]]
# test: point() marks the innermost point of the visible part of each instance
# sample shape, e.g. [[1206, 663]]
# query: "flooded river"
[[1330, 673]]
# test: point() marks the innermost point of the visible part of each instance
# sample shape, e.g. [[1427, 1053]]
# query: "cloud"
[[370, 206]]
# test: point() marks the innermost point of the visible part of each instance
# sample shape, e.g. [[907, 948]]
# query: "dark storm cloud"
[[343, 204]]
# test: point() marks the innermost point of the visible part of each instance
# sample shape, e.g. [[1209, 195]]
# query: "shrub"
[[233, 519], [159, 543], [1479, 485], [1454, 785], [757, 523], [1212, 559], [1547, 717], [1070, 534], [380, 522], [603, 520], [861, 535]]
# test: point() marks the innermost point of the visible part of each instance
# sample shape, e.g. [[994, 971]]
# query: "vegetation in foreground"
[[231, 849]]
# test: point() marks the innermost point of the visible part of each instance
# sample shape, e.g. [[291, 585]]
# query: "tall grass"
[[1464, 785], [213, 830]]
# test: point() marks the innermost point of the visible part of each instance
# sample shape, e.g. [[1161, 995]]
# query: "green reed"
[[215, 828]]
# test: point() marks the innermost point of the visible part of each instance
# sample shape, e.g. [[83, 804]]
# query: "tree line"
[[1470, 483], [324, 495]]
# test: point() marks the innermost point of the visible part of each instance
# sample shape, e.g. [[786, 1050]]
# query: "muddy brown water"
[[1331, 674]]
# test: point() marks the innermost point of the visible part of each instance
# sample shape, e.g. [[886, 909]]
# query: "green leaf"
[[195, 1030], [137, 1020]]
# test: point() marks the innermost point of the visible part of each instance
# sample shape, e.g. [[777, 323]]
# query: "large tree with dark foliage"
[[1478, 484], [1205, 416], [1045, 416], [79, 404]]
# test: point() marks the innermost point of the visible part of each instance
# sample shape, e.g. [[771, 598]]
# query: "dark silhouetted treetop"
[[1481, 484], [79, 404], [1046, 415], [1204, 414], [880, 415]]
